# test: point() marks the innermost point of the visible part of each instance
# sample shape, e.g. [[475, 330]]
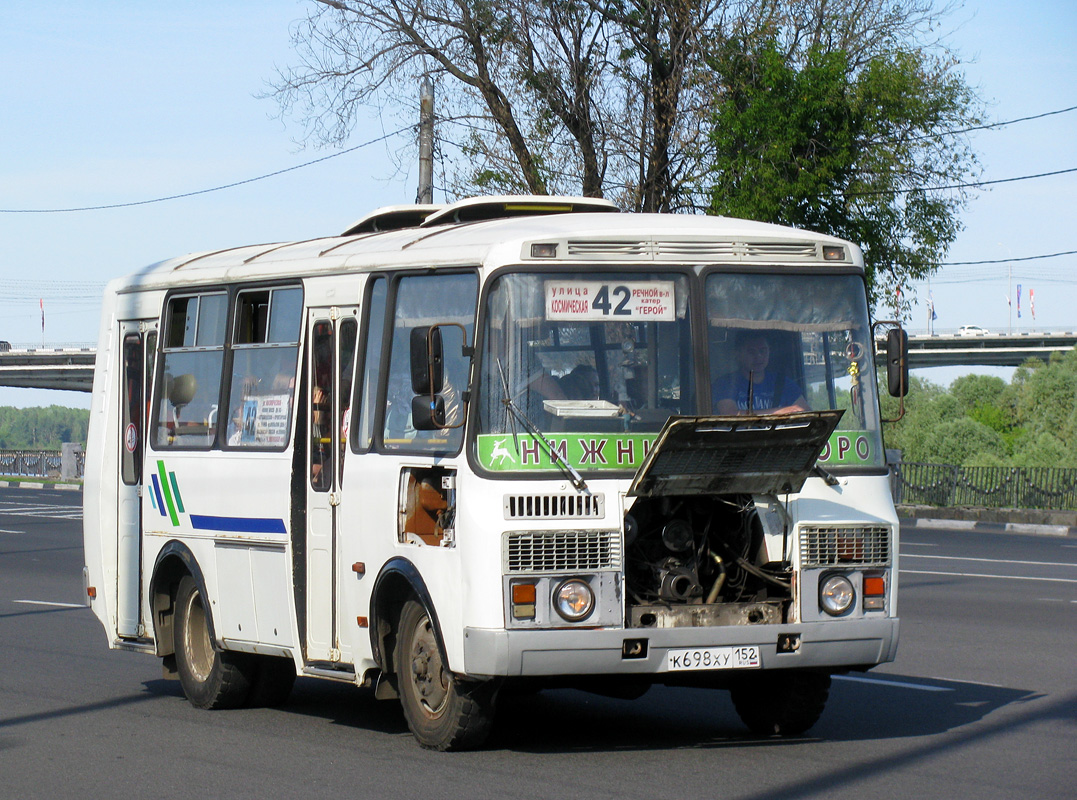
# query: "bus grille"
[[562, 551], [844, 545], [554, 506]]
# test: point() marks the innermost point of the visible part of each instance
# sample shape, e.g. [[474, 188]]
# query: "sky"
[[120, 102]]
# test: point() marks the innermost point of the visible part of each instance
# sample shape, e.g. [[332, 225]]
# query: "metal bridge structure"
[[982, 350], [71, 368]]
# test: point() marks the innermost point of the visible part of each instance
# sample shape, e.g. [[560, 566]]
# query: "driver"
[[770, 394]]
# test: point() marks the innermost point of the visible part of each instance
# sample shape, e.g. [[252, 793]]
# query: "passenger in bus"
[[581, 383], [321, 410], [540, 387], [770, 393], [235, 427]]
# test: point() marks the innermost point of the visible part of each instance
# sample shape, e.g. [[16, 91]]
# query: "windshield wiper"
[[518, 414]]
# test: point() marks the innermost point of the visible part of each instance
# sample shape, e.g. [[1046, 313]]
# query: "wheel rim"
[[196, 644], [428, 677]]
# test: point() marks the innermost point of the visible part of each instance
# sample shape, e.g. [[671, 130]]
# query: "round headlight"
[[574, 600], [836, 595]]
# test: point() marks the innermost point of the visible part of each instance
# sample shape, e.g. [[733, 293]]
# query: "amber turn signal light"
[[874, 586]]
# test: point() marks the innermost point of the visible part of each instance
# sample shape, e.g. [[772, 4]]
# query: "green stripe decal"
[[168, 493], [175, 488]]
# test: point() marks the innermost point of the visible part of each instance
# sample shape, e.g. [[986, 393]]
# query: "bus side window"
[[265, 347], [189, 381], [426, 300], [366, 390]]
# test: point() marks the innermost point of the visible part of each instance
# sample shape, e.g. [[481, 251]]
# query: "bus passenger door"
[[138, 342], [331, 337]]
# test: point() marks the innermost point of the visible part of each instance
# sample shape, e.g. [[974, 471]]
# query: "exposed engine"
[[701, 561]]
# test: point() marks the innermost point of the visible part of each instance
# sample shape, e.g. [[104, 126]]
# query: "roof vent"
[[392, 218], [480, 209]]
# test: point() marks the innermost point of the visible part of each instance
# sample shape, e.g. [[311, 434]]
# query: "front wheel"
[[443, 712], [210, 679], [782, 702]]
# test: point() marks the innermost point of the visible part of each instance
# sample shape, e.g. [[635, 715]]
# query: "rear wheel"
[[780, 703], [210, 679], [443, 712]]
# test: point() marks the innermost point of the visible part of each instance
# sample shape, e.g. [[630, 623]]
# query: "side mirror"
[[428, 414], [897, 362], [427, 360]]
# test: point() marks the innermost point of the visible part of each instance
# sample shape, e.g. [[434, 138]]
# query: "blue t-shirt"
[[734, 386]]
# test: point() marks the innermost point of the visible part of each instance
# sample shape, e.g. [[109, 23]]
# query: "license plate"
[[743, 657]]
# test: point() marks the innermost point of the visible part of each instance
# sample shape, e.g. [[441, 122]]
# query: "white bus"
[[504, 442]]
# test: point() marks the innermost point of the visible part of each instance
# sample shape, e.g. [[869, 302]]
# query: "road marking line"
[[993, 560], [923, 687], [47, 603], [4, 530], [982, 575]]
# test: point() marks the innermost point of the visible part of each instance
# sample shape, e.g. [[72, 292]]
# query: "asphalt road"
[[981, 703]]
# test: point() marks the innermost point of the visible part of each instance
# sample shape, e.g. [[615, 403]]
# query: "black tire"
[[780, 703], [273, 681], [210, 679], [443, 712]]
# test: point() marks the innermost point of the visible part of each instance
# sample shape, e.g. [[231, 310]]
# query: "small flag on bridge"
[[1019, 301], [1032, 303]]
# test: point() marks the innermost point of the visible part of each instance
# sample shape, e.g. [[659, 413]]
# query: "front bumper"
[[834, 644]]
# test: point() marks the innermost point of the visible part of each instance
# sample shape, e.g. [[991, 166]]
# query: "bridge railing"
[[40, 463], [946, 485]]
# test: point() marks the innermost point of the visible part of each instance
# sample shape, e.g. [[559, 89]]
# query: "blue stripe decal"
[[157, 491], [237, 524]]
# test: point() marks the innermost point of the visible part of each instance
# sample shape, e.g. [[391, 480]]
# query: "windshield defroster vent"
[[555, 506]]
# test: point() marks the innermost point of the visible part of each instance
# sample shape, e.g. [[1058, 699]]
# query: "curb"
[[56, 487], [988, 527]]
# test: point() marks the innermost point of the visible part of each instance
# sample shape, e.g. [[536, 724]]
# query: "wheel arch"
[[174, 562], [398, 581]]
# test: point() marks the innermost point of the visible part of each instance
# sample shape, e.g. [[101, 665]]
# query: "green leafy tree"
[[828, 140], [964, 442], [42, 428], [1043, 397], [607, 98], [976, 391], [1047, 393], [1043, 450]]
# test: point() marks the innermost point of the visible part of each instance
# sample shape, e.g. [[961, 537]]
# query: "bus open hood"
[[734, 455]]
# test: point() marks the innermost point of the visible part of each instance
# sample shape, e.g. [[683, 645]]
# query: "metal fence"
[[944, 485], [39, 463]]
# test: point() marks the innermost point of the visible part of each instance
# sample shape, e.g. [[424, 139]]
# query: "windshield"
[[598, 362], [603, 354], [801, 342]]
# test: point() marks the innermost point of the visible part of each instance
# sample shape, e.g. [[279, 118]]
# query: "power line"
[[993, 125], [202, 191], [971, 185], [1007, 260], [409, 127]]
